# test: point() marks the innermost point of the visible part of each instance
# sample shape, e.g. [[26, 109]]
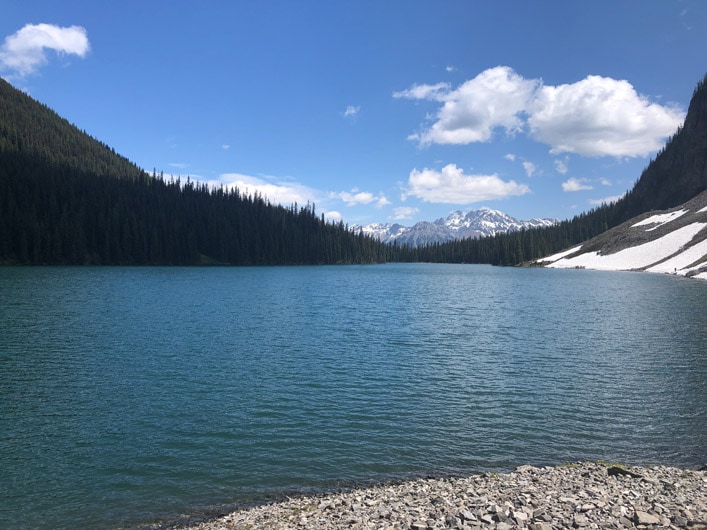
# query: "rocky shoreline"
[[579, 495]]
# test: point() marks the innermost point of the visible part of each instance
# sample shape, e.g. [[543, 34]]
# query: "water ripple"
[[127, 395]]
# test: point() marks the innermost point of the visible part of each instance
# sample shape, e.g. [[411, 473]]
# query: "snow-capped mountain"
[[457, 225]]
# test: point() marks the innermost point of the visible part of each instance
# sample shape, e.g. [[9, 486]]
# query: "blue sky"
[[376, 111]]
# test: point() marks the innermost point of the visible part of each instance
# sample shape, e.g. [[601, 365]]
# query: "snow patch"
[[638, 257], [560, 255], [680, 264], [660, 219]]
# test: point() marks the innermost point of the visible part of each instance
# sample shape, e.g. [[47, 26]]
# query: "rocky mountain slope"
[[672, 241], [457, 225]]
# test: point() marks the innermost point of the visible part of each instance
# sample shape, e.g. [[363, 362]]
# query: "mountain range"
[[457, 225]]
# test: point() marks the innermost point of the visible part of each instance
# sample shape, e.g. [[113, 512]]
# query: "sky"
[[388, 111]]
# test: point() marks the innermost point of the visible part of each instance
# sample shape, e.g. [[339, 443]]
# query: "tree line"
[[66, 198]]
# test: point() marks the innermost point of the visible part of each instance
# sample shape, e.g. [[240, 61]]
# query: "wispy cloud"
[[530, 168], [351, 111], [596, 116], [561, 166], [25, 51], [435, 92], [605, 200], [450, 185], [404, 212], [276, 190], [576, 184]]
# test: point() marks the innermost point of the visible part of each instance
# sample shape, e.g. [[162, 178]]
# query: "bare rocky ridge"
[[581, 496]]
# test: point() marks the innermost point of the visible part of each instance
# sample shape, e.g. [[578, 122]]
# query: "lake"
[[130, 396]]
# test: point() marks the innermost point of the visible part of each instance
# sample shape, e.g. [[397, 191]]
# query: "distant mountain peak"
[[457, 225]]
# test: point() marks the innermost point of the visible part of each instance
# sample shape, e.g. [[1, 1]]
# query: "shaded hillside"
[[33, 129], [66, 198], [679, 171], [676, 175]]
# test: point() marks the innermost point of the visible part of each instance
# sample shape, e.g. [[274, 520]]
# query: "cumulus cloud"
[[576, 184], [511, 157], [356, 197], [333, 216], [471, 112], [277, 191], [24, 52], [451, 185], [600, 116], [596, 116]]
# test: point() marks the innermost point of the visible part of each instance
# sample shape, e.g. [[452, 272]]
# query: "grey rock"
[[581, 495], [645, 518]]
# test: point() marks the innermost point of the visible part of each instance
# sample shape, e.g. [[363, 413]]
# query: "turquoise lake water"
[[131, 396]]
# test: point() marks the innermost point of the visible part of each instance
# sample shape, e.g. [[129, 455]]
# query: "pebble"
[[580, 495]]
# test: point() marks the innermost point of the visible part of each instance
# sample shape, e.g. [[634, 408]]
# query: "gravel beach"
[[578, 495]]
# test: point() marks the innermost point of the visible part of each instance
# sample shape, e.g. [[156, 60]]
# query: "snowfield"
[[660, 219], [666, 254]]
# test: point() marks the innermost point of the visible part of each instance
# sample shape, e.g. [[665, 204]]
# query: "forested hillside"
[[66, 198], [677, 174]]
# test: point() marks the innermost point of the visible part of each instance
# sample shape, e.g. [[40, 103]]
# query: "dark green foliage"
[[66, 198]]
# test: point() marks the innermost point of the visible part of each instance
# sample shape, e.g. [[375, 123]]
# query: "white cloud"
[[225, 147], [435, 92], [605, 200], [576, 184], [277, 191], [597, 116], [333, 216], [605, 182], [561, 166], [451, 185], [351, 111], [450, 69], [471, 112], [529, 168], [356, 197], [511, 157], [24, 52], [600, 116], [404, 212]]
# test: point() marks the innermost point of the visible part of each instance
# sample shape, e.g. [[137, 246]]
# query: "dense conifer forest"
[[67, 198]]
